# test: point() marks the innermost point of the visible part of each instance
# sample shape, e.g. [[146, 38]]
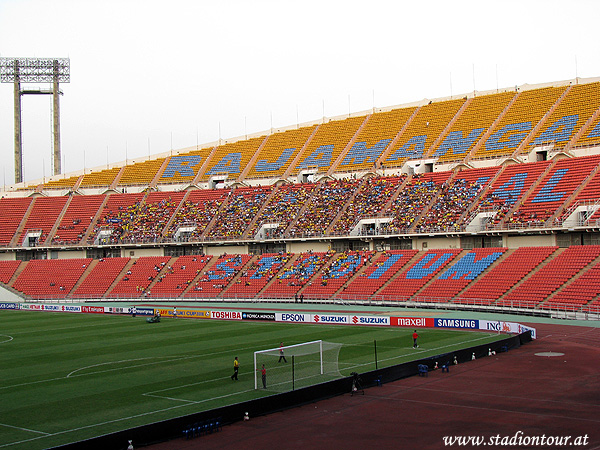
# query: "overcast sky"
[[148, 76]]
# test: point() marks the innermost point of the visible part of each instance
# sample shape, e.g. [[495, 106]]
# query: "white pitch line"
[[23, 429], [10, 338]]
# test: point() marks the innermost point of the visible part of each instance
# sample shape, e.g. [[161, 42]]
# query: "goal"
[[305, 364]]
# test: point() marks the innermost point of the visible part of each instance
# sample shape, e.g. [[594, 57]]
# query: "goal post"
[[297, 365]]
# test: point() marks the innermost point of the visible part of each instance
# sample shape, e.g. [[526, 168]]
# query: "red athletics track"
[[498, 395]]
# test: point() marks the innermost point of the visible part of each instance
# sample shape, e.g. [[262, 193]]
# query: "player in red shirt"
[[415, 336]]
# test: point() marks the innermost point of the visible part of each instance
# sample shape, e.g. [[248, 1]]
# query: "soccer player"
[[263, 373], [415, 336], [281, 355], [236, 368]]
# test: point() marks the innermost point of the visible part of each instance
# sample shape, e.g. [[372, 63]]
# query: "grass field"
[[68, 377]]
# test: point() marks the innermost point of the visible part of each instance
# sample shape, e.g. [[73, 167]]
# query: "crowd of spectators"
[[242, 206]]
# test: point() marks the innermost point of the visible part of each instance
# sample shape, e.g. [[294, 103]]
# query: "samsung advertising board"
[[470, 324]]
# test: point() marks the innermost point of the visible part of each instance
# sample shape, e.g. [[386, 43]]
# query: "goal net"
[[296, 366]]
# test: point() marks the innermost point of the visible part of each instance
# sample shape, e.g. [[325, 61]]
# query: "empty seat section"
[[410, 280], [518, 122], [100, 178], [100, 278], [183, 168], [7, 270], [583, 290], [512, 269], [377, 274], [174, 279], [291, 279], [550, 277], [279, 151], [77, 219], [12, 211], [63, 183], [456, 277], [139, 276], [574, 110], [257, 275], [140, 173], [332, 277], [374, 138], [471, 125], [216, 277], [42, 218], [230, 159], [326, 145], [50, 278], [554, 190], [509, 187], [422, 131]]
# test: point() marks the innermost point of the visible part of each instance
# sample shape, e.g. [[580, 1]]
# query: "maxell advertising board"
[[412, 322]]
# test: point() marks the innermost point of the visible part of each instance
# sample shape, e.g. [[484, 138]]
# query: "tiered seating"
[[77, 219], [556, 187], [101, 178], [455, 199], [146, 220], [454, 279], [279, 152], [471, 125], [522, 117], [137, 279], [242, 206], [8, 269], [591, 136], [369, 201], [101, 277], [43, 216], [505, 275], [290, 280], [580, 292], [257, 275], [341, 268], [551, 276], [570, 115], [50, 278], [328, 142], [183, 168], [117, 213], [379, 131], [509, 187], [12, 211], [62, 183], [410, 280], [413, 199], [196, 212], [377, 274], [215, 278], [588, 195], [141, 173], [418, 137], [327, 201], [178, 276], [283, 208], [231, 158]]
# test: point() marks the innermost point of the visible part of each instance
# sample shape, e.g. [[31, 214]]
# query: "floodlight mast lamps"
[[35, 70]]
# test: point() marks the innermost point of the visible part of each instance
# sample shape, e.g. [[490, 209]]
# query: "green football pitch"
[[68, 377]]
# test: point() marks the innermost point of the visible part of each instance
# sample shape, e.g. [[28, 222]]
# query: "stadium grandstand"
[[484, 200]]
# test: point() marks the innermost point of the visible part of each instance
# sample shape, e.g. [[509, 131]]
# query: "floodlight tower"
[[35, 70]]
